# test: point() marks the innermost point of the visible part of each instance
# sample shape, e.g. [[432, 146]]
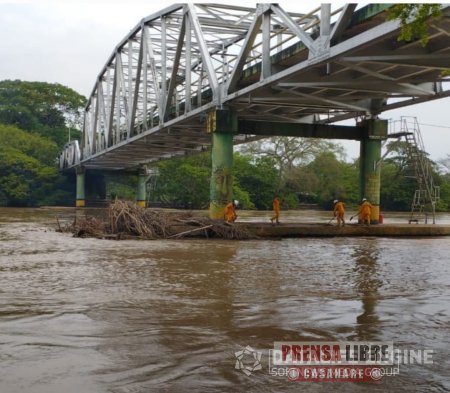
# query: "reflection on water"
[[87, 315], [367, 284]]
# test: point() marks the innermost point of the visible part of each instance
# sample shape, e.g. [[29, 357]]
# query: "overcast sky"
[[69, 41]]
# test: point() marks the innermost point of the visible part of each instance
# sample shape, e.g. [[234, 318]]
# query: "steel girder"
[[263, 62]]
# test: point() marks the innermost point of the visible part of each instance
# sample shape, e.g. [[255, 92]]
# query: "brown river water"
[[94, 316]]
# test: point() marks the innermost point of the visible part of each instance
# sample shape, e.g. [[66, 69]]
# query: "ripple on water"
[[133, 316]]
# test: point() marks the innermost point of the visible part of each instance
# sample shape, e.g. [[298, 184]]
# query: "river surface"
[[94, 316]]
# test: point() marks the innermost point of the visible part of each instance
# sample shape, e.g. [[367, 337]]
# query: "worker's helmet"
[[364, 199], [335, 201]]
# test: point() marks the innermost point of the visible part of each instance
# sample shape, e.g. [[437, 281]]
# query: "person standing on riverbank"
[[339, 212], [230, 212], [365, 211], [276, 210]]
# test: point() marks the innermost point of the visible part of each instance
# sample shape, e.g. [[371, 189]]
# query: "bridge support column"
[[141, 194], [369, 164], [222, 124], [80, 190]]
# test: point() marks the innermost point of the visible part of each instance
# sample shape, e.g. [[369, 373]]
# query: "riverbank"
[[250, 225], [323, 230]]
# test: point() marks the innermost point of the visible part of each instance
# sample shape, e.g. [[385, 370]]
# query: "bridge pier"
[[222, 124], [141, 192], [80, 187], [375, 131]]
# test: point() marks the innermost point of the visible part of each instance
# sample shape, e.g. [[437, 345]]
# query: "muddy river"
[[88, 315]]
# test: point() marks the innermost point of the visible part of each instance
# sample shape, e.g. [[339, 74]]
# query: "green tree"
[[42, 149], [258, 177], [28, 174], [184, 182], [121, 186], [330, 178], [397, 190], [399, 183], [286, 152], [47, 109]]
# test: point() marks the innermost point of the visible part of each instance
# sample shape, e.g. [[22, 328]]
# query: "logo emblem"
[[248, 360]]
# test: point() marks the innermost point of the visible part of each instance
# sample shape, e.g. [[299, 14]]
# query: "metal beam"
[[334, 102], [408, 86], [176, 64], [382, 87], [266, 66], [206, 58], [187, 69], [163, 97], [137, 83], [292, 26], [342, 22], [299, 130], [243, 54]]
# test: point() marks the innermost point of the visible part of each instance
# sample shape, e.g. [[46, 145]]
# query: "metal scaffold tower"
[[427, 193]]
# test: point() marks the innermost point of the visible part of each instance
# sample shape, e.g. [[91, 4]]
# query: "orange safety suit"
[[339, 211], [230, 212], [276, 210], [365, 211]]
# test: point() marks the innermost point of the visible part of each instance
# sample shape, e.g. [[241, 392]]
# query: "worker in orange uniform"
[[276, 210], [364, 211], [230, 212], [339, 212]]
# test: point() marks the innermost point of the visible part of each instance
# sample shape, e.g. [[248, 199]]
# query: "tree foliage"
[[327, 178], [258, 177], [316, 176], [47, 109], [35, 119], [286, 152], [28, 174], [413, 18], [185, 182]]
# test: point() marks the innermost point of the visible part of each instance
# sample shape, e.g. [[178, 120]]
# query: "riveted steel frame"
[[150, 99]]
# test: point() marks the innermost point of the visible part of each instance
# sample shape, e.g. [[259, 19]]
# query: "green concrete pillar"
[[141, 192], [222, 124], [80, 200], [370, 168]]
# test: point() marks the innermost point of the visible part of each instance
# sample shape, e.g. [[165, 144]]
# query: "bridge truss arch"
[[151, 99]]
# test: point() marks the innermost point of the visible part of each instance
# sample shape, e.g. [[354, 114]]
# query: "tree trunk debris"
[[126, 220]]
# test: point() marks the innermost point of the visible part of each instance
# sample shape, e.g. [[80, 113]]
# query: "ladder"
[[427, 193]]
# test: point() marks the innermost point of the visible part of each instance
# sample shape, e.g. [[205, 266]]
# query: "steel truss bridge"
[[154, 97]]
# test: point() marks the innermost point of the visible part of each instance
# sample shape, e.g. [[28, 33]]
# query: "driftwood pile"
[[126, 220]]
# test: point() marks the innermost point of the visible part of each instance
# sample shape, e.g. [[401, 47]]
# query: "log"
[[191, 231]]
